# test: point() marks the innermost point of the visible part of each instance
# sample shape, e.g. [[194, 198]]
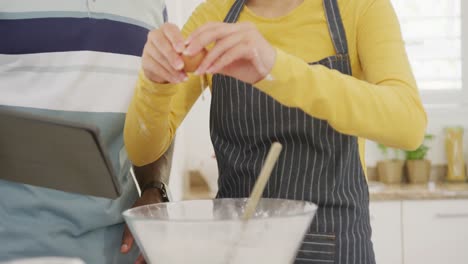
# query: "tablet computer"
[[56, 154]]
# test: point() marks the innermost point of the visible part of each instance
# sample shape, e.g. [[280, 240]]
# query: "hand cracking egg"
[[191, 63]]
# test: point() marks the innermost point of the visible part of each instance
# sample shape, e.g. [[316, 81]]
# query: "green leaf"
[[418, 154], [429, 137], [421, 152]]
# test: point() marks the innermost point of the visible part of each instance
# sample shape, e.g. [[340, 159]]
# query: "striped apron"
[[318, 163]]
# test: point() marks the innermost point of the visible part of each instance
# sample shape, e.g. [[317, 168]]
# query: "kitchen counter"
[[432, 191]]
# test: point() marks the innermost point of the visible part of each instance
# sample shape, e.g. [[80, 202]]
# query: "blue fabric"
[[73, 14], [43, 222], [26, 36]]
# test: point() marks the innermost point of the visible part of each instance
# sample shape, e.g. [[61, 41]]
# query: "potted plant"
[[390, 170], [418, 168]]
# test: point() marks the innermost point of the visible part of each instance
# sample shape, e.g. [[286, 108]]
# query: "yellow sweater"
[[379, 102]]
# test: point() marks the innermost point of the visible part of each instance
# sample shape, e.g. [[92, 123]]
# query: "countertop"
[[431, 191], [384, 192]]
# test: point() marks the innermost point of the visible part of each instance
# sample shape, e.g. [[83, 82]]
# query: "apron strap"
[[335, 26], [332, 14], [234, 12]]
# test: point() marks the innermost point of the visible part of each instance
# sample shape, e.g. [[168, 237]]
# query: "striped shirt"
[[77, 60]]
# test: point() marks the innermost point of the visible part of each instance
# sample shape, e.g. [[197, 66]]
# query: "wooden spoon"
[[262, 180]]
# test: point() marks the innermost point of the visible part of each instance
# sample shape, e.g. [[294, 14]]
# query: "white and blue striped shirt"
[[77, 60]]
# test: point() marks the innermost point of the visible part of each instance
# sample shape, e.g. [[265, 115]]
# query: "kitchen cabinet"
[[386, 232], [435, 232]]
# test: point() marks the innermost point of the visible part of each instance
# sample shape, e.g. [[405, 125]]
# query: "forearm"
[[158, 170], [147, 131], [389, 112], [154, 115]]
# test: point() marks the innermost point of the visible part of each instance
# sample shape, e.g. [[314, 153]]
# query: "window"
[[432, 30]]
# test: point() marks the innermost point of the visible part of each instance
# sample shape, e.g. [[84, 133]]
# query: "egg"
[[191, 63]]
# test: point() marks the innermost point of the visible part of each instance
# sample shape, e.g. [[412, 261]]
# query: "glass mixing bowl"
[[213, 232]]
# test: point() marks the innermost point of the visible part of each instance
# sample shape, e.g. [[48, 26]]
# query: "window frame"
[[436, 98]]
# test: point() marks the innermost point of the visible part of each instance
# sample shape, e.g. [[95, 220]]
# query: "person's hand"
[[161, 59], [240, 51], [150, 196]]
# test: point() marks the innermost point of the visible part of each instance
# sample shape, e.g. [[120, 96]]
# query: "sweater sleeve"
[[157, 110], [385, 107]]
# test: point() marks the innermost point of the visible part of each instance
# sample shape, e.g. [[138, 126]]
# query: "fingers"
[[219, 49], [208, 34], [157, 56], [127, 241], [161, 60], [162, 44], [175, 37], [196, 32], [140, 260], [237, 53], [157, 73]]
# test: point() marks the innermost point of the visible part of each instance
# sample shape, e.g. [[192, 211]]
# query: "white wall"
[[194, 150]]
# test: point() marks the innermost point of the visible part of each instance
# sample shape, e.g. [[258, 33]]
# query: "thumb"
[[127, 241]]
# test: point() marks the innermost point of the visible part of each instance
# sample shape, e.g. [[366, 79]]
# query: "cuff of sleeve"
[[156, 88], [279, 73]]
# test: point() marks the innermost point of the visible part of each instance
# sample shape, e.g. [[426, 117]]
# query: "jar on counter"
[[454, 152]]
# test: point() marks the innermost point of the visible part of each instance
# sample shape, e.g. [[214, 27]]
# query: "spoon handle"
[[262, 180]]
